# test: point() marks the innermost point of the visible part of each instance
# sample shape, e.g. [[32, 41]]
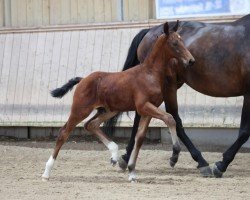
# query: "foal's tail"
[[60, 92]]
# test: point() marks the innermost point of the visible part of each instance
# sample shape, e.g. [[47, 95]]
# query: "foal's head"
[[175, 47]]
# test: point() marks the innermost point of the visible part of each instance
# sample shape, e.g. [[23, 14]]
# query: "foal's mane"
[[156, 48]]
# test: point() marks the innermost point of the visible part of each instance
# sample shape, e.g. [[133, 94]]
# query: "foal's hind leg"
[[149, 109], [93, 125], [75, 118]]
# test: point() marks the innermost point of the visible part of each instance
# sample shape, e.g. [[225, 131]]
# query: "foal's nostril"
[[191, 62]]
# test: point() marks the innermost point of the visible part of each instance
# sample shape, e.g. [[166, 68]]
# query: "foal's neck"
[[157, 60]]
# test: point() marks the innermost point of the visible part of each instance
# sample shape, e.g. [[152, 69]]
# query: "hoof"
[[217, 173], [206, 171], [172, 163], [45, 179], [113, 162], [132, 179], [173, 160], [132, 175], [122, 164]]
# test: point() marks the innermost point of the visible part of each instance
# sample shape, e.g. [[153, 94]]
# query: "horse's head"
[[175, 47]]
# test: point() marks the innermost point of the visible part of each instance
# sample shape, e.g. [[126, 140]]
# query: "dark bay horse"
[[222, 69], [144, 86]]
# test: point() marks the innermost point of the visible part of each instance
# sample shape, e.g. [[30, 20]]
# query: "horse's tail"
[[131, 61], [60, 92]]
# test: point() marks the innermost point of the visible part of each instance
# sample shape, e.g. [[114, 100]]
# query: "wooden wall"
[[30, 13], [33, 63]]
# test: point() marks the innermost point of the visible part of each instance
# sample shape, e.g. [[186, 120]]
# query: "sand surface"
[[83, 174]]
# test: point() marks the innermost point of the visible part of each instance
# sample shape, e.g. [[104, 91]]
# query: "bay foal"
[[144, 88]]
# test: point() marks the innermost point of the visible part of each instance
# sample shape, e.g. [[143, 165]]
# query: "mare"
[[143, 85], [222, 69]]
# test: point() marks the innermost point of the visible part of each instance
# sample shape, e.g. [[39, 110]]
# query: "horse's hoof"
[[206, 171], [45, 179], [132, 179], [113, 162], [217, 173], [173, 161], [122, 164]]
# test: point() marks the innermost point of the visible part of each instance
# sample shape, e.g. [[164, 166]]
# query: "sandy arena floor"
[[83, 174]]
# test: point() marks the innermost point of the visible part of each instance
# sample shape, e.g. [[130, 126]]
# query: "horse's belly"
[[216, 85]]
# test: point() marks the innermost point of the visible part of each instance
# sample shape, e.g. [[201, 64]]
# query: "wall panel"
[[1, 13], [136, 10], [33, 13], [32, 64]]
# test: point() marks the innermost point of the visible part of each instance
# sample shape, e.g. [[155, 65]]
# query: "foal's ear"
[[176, 26], [166, 28]]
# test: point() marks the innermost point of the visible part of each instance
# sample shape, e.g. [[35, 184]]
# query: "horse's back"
[[243, 20]]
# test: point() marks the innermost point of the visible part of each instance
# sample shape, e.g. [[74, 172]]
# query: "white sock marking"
[[49, 165], [132, 176], [113, 148]]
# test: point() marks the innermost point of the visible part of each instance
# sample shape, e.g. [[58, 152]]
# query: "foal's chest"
[[154, 93]]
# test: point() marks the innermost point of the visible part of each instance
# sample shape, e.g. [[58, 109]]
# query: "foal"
[[144, 87]]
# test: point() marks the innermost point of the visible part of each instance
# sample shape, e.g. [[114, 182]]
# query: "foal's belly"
[[129, 102]]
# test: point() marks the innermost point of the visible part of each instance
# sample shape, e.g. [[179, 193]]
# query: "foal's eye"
[[175, 44]]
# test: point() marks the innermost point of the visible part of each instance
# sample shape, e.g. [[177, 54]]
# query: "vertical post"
[[120, 8], [7, 13], [152, 9], [1, 13]]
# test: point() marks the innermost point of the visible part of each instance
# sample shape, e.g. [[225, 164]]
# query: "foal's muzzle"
[[191, 62], [188, 62]]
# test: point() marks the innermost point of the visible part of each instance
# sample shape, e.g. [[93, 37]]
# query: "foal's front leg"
[[150, 110], [143, 125]]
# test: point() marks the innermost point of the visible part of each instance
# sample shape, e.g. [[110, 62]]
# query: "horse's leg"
[[149, 109], [172, 107], [74, 118], [244, 133], [123, 160], [143, 125], [93, 125]]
